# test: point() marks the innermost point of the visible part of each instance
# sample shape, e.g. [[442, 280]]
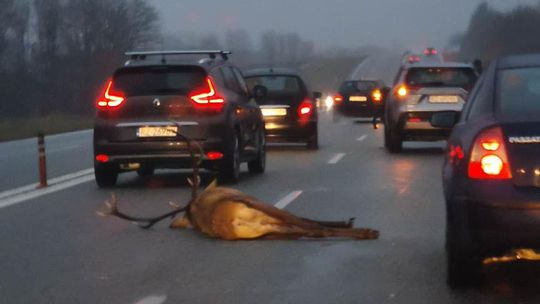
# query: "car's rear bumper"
[[417, 126], [501, 216], [290, 131], [158, 154], [366, 109]]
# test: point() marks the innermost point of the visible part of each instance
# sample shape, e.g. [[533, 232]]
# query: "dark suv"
[[158, 95]]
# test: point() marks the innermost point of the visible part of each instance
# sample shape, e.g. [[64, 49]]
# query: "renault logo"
[[156, 102]]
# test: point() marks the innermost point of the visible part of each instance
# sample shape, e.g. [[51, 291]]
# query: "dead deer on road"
[[229, 214]]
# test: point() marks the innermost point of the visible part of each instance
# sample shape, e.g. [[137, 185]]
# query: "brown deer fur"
[[229, 214]]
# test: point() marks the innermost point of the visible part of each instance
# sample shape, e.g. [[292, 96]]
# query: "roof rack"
[[211, 53]]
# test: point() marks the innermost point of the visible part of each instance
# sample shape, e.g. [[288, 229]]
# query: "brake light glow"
[[213, 155], [207, 96], [102, 158], [305, 109], [489, 159], [109, 99], [338, 98], [377, 95]]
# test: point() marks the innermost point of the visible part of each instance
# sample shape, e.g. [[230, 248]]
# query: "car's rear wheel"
[[464, 266], [106, 175], [258, 165], [393, 142], [145, 171], [313, 142], [230, 169]]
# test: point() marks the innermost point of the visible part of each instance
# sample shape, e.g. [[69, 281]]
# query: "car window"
[[276, 85], [241, 82], [230, 80], [143, 81], [519, 92], [441, 77], [471, 99], [366, 85]]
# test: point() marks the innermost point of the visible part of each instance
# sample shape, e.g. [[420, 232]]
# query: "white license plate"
[[443, 99], [358, 98], [274, 112], [165, 131]]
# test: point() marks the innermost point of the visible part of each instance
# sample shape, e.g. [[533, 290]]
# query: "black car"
[[491, 173], [287, 105], [360, 98], [159, 94]]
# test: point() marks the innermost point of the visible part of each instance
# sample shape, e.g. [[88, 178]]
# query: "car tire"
[[106, 175], [464, 266], [144, 171], [258, 165], [393, 142], [230, 169]]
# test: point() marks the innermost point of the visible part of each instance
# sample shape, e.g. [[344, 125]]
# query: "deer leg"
[[297, 232], [332, 224]]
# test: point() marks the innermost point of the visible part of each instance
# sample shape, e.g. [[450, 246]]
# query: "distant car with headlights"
[[287, 105], [158, 98], [421, 90], [491, 173], [360, 98]]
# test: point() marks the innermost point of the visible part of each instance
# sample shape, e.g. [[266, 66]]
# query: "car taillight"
[[305, 109], [377, 95], [207, 97], [102, 158], [338, 99], [110, 99], [402, 91], [489, 159]]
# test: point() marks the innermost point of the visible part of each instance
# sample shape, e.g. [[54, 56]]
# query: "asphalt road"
[[54, 249]]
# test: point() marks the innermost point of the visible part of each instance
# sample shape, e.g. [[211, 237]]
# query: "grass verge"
[[19, 128]]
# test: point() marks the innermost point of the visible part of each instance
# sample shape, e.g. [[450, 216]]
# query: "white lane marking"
[[152, 300], [336, 158], [282, 203], [40, 192], [51, 181], [361, 138]]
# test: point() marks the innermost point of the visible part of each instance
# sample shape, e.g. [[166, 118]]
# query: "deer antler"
[[194, 181], [145, 223]]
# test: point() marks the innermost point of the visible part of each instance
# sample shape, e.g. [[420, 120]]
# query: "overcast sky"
[[407, 23]]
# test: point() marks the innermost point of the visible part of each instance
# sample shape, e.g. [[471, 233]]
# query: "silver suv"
[[419, 91]]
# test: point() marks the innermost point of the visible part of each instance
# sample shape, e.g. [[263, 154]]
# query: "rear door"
[[243, 110]]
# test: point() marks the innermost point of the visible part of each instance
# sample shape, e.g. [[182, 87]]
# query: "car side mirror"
[[317, 95], [259, 91], [444, 120]]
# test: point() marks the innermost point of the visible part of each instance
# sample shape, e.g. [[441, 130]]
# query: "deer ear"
[[212, 185]]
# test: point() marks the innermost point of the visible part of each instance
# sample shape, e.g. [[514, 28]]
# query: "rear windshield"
[[354, 86], [519, 93], [277, 85], [159, 80], [441, 77]]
